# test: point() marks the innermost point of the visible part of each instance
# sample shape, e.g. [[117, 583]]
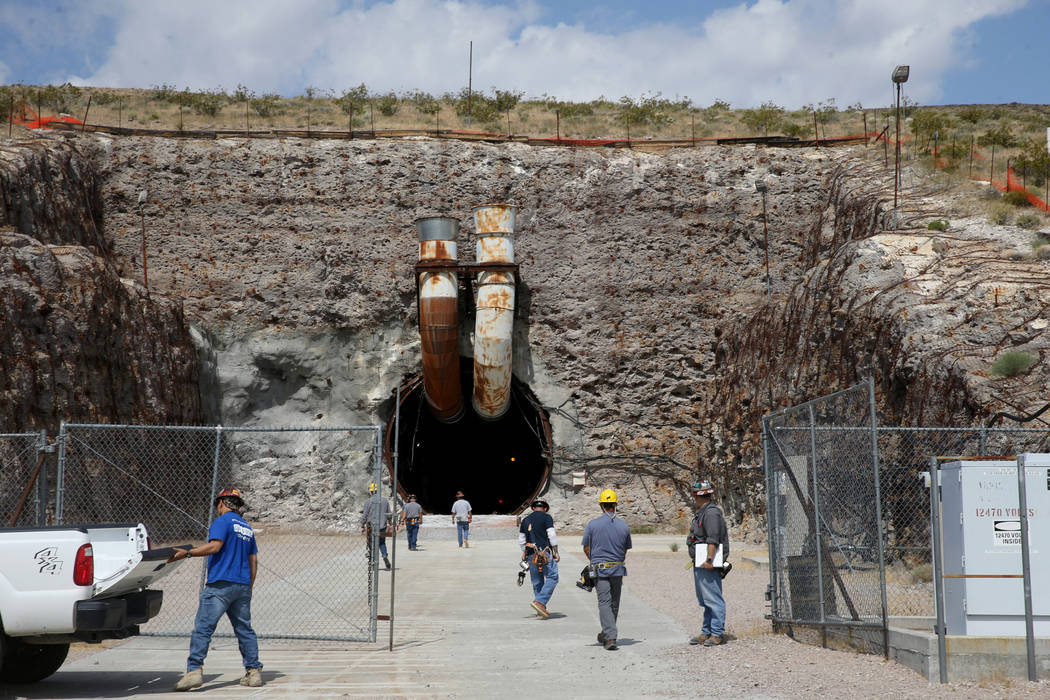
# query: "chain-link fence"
[[315, 578], [848, 508], [23, 479]]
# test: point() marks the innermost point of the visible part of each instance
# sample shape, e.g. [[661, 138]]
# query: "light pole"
[[900, 76], [761, 186]]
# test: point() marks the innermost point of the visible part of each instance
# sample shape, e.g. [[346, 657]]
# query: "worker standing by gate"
[[708, 532], [539, 546], [375, 516], [606, 540], [232, 564]]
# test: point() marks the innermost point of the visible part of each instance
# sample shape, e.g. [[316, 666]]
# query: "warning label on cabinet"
[[1007, 532]]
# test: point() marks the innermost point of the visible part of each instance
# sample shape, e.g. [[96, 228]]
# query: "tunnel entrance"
[[499, 465]]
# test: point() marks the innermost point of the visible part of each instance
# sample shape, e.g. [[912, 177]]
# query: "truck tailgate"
[[141, 570]]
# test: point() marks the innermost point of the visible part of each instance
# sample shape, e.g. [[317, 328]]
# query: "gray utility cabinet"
[[981, 529]]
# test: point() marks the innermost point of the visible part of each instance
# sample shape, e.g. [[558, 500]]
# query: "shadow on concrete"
[[106, 684]]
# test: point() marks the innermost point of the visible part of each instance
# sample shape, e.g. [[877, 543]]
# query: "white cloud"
[[788, 51]]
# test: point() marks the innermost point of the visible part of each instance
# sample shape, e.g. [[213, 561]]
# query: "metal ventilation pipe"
[[494, 324], [439, 319]]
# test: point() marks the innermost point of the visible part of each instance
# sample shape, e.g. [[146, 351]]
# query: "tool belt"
[[540, 559], [608, 564], [412, 521]]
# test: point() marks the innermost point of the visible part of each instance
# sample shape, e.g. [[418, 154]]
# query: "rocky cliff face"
[[642, 319], [79, 344]]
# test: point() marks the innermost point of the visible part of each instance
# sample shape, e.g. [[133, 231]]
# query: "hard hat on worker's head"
[[232, 497], [703, 487], [540, 503], [608, 496], [373, 487]]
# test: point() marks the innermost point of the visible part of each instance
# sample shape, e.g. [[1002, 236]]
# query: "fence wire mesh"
[[849, 508], [23, 490], [315, 579]]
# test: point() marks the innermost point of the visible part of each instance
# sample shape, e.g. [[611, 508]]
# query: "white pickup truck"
[[72, 583]]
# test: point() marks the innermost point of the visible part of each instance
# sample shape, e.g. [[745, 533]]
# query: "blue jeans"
[[462, 531], [543, 583], [709, 595], [235, 601], [413, 533]]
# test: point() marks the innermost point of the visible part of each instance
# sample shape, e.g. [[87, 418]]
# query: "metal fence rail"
[[848, 508], [315, 578], [23, 479]]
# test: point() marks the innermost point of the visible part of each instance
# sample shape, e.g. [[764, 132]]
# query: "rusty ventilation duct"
[[494, 319], [439, 318]]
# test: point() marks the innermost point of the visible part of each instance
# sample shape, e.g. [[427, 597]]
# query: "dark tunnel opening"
[[499, 465]]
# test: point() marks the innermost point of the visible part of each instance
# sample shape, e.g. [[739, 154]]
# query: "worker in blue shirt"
[[232, 563], [539, 546], [606, 540]]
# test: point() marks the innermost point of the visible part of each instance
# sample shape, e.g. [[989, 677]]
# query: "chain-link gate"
[[23, 475], [848, 508], [315, 579]]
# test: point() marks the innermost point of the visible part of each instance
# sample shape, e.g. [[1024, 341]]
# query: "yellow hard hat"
[[608, 496], [373, 487]]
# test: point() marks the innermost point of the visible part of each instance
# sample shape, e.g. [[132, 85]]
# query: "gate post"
[[60, 476], [878, 518], [211, 498], [41, 484]]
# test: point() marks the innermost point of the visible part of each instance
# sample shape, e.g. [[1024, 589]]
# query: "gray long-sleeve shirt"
[[376, 512], [708, 527]]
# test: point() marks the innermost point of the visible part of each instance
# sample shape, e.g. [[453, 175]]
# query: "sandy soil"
[[757, 663]]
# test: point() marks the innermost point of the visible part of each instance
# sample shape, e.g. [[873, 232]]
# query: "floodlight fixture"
[[760, 185], [900, 74]]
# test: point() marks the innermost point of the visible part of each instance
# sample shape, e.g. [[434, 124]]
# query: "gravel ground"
[[755, 663]]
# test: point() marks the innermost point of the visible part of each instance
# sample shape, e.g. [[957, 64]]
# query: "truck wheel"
[[29, 663]]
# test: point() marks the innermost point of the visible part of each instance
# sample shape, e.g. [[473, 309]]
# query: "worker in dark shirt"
[[539, 546]]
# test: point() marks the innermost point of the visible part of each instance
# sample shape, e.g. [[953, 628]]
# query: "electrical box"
[[981, 536]]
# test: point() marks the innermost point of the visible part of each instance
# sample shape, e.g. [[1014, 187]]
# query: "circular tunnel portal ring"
[[501, 466]]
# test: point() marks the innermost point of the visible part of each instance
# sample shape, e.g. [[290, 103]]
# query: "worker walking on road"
[[462, 517], [606, 540], [411, 517], [232, 563], [375, 517], [539, 546], [708, 532]]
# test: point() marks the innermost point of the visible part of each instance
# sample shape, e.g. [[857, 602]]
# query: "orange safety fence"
[[38, 122], [1012, 184]]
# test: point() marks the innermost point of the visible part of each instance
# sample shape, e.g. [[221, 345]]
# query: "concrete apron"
[[462, 628]]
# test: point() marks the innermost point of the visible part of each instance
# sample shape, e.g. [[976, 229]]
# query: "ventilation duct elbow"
[[439, 319], [494, 322]]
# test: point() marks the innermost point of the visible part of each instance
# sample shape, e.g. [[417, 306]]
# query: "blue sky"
[[793, 52]]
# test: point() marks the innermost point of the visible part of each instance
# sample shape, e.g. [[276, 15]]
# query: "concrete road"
[[463, 629]]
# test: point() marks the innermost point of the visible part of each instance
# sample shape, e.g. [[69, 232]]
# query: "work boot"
[[610, 645], [601, 637], [540, 608], [191, 679], [253, 678], [713, 641], [699, 639], [386, 562]]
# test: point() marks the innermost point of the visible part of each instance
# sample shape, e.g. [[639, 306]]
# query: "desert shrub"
[[1016, 198], [424, 102], [768, 116], [673, 546], [62, 98], [650, 110], [938, 225], [645, 529], [356, 95], [242, 94], [103, 97], [793, 129], [923, 573], [387, 104], [207, 102], [971, 114], [506, 100], [1012, 363], [999, 136], [1039, 241], [476, 106], [1000, 214], [268, 105], [1029, 221]]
